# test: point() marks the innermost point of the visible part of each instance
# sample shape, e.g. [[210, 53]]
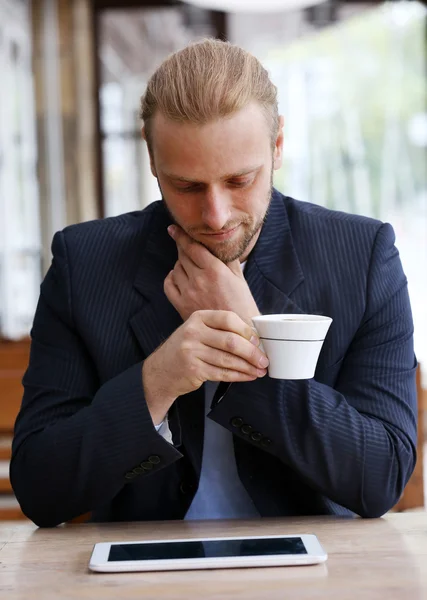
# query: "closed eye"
[[189, 188], [197, 187], [240, 183]]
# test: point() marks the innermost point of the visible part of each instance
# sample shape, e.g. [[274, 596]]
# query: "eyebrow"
[[229, 176]]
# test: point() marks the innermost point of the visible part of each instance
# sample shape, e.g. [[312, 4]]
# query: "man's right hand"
[[212, 345]]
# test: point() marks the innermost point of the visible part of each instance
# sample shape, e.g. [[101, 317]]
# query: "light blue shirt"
[[221, 494]]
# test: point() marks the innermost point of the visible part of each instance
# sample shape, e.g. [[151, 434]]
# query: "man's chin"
[[226, 253]]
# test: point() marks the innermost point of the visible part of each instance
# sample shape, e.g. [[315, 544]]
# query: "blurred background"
[[351, 77]]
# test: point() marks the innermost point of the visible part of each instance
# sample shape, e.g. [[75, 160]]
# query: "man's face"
[[216, 179]]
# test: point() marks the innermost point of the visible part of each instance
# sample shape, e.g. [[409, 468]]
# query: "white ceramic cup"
[[292, 343]]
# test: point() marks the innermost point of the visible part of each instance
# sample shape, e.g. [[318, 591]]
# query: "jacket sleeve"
[[354, 443], [76, 443]]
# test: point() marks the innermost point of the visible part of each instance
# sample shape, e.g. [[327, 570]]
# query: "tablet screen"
[[209, 548]]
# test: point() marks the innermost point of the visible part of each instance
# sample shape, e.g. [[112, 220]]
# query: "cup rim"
[[311, 341], [297, 318]]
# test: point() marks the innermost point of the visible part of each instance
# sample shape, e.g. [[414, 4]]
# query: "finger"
[[187, 264], [235, 345], [227, 376], [171, 290], [229, 362], [214, 373], [200, 255], [179, 276], [226, 320]]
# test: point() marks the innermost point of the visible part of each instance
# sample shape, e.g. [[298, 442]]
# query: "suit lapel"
[[273, 270], [157, 318]]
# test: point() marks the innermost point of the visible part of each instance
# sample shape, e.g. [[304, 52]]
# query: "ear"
[[278, 148], [152, 167]]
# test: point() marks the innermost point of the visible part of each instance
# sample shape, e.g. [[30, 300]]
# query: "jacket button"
[[237, 422], [265, 442], [154, 460], [130, 475], [138, 470], [147, 466], [246, 429], [256, 436]]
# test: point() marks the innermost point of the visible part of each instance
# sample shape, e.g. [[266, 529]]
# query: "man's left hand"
[[200, 281]]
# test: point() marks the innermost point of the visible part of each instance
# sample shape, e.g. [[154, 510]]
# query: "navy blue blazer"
[[342, 442]]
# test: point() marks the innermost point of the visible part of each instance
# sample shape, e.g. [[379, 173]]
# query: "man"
[[142, 316]]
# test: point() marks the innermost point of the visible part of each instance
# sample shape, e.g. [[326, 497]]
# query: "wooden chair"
[[13, 362], [413, 495], [14, 358]]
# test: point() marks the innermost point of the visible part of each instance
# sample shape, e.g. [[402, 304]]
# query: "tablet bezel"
[[315, 555]]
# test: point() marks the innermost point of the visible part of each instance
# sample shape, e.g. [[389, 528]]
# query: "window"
[[20, 251]]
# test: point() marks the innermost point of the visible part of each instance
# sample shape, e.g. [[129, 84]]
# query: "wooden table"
[[382, 559]]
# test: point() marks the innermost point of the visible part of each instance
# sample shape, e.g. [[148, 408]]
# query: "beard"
[[228, 250]]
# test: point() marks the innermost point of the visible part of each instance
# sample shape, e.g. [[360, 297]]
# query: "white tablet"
[[207, 553]]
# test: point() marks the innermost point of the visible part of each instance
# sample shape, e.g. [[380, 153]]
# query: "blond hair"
[[205, 81]]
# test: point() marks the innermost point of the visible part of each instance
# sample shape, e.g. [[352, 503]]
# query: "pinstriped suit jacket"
[[341, 442]]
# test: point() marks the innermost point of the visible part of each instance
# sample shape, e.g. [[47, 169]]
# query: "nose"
[[216, 209]]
